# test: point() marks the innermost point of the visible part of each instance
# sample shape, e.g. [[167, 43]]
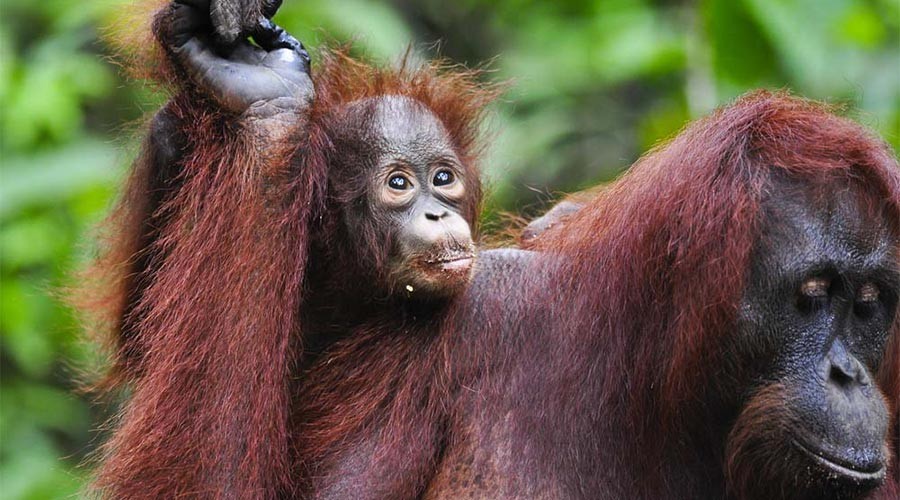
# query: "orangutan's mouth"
[[860, 472], [452, 261]]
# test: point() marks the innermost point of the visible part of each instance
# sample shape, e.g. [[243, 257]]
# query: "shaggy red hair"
[[206, 329], [670, 245], [596, 355]]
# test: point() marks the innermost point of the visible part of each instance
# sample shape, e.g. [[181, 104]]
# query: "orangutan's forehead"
[[835, 224], [400, 119]]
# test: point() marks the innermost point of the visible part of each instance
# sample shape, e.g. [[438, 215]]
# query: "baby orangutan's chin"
[[433, 276]]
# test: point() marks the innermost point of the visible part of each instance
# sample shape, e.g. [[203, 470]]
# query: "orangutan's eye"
[[399, 182], [815, 288], [443, 178], [868, 293]]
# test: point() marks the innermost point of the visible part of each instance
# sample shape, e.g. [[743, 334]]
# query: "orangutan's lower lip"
[[456, 264], [842, 467]]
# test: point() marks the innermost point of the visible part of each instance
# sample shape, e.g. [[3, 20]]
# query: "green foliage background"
[[596, 83]]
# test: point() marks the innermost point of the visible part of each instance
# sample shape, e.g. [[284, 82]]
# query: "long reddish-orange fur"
[[599, 358], [203, 294], [670, 246]]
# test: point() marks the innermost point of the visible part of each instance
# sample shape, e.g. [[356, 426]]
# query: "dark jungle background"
[[595, 84]]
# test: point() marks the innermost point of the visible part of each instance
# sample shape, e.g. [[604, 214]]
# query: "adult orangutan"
[[263, 221], [722, 322]]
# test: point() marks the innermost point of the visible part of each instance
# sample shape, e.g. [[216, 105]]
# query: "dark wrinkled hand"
[[239, 74], [233, 20]]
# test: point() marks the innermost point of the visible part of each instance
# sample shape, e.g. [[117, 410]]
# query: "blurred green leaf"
[[375, 26], [862, 26], [741, 55], [55, 175], [35, 471], [46, 99]]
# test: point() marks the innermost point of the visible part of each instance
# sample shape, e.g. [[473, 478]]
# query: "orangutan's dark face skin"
[[413, 197], [813, 329]]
